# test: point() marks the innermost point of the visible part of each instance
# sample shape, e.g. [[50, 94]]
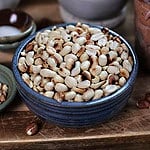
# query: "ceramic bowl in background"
[[93, 9], [6, 76], [8, 4], [14, 25], [75, 114]]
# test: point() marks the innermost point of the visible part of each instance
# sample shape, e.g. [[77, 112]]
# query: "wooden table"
[[129, 130]]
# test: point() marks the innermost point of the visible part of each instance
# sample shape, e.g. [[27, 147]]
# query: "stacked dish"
[[15, 26], [75, 95]]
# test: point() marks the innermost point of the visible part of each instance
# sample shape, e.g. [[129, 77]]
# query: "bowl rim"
[[54, 102], [10, 75]]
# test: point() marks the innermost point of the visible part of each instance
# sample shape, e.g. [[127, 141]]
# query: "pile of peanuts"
[[75, 63], [3, 92]]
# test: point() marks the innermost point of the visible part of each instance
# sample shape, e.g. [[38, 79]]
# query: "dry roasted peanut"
[[58, 79], [105, 83], [22, 67], [113, 69], [66, 50], [47, 73], [74, 34], [116, 63], [52, 63], [127, 65], [80, 40], [69, 63], [63, 72], [97, 36], [103, 75], [79, 78], [74, 57], [75, 48], [62, 65], [98, 94], [22, 60], [96, 79], [58, 97], [58, 57], [124, 55], [113, 55], [37, 80], [86, 75], [49, 86], [96, 71], [130, 60], [94, 61], [66, 37], [26, 78], [84, 84], [91, 52], [70, 82], [70, 28], [113, 44], [88, 95], [23, 53], [102, 41], [50, 50], [84, 57], [38, 61], [78, 98], [3, 92], [76, 70], [60, 87], [97, 85], [32, 129], [85, 65], [29, 47], [111, 79], [125, 48], [78, 90], [110, 89], [70, 95], [44, 81], [104, 50], [49, 94], [68, 44], [93, 30], [122, 81], [92, 47], [81, 51], [44, 55], [124, 73], [35, 69], [102, 60], [29, 58]]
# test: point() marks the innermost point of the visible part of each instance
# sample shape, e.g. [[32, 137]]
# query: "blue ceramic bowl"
[[75, 114]]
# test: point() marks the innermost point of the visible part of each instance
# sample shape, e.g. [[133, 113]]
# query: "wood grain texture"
[[128, 130]]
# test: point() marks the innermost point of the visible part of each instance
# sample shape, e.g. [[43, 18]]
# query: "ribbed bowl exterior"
[[75, 114]]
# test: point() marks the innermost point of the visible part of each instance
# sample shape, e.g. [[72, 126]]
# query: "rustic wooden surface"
[[129, 130]]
